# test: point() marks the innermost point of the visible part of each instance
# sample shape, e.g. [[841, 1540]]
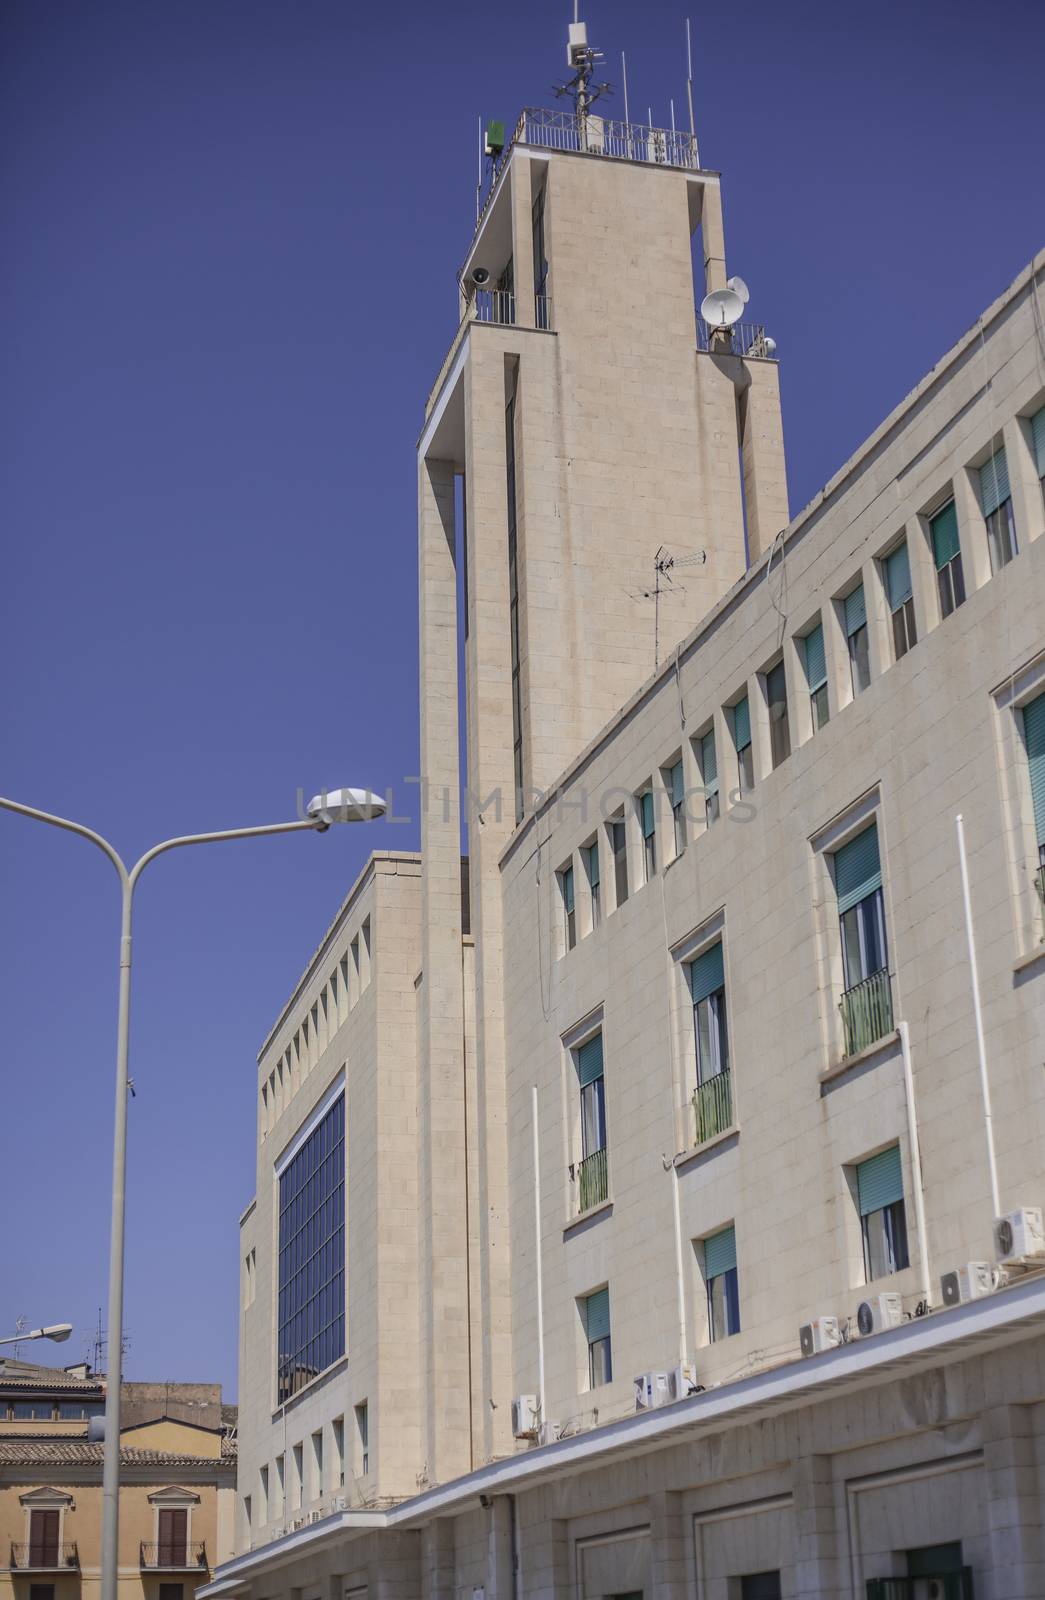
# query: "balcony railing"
[[593, 1185], [713, 1106], [45, 1557], [940, 1586], [867, 1012], [495, 305], [742, 339], [174, 1556]]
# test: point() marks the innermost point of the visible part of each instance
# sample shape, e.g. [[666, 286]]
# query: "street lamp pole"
[[351, 805]]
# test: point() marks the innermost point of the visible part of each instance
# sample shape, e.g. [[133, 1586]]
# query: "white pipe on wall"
[[978, 1014], [679, 1275], [916, 1165], [537, 1246]]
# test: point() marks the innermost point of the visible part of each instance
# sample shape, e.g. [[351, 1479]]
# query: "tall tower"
[[579, 424]]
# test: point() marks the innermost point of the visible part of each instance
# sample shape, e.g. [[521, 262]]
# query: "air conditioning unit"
[[315, 1516], [277, 1533], [970, 1282], [823, 1333], [298, 1522], [875, 1316], [1020, 1236], [524, 1416], [652, 1389], [340, 1503], [547, 1432], [683, 1380]]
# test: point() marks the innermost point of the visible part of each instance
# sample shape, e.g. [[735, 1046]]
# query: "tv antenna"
[[581, 88], [664, 564]]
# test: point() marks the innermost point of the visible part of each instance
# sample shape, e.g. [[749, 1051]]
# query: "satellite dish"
[[769, 345], [739, 287], [480, 276], [722, 308]]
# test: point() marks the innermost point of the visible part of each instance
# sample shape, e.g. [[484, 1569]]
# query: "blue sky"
[[227, 280]]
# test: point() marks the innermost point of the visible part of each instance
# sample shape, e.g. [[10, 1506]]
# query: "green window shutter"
[[1034, 736], [816, 657], [567, 888], [720, 1253], [648, 820], [858, 869], [879, 1181], [678, 784], [944, 529], [898, 576], [855, 610], [708, 763], [589, 1061], [1037, 434], [994, 482], [593, 865], [597, 1315], [707, 973], [742, 724]]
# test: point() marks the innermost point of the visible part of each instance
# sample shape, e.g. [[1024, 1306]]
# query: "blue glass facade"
[[312, 1255]]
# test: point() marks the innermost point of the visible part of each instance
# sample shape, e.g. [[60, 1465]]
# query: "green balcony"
[[867, 1012], [713, 1106], [592, 1180]]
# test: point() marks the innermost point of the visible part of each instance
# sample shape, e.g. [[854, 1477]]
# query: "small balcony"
[[176, 1556], [713, 1107], [867, 1012], [495, 305], [593, 1184], [45, 1558], [742, 339], [940, 1586]]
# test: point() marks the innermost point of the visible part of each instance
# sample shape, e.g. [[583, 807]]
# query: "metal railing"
[[867, 1012], [174, 1555], [742, 339], [593, 1184], [713, 1106], [940, 1585], [542, 312], [497, 308], [494, 305], [603, 136], [44, 1557]]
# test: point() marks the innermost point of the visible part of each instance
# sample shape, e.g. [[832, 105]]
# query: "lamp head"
[[344, 805], [59, 1332]]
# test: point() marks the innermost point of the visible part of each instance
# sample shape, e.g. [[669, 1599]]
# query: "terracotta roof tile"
[[68, 1452]]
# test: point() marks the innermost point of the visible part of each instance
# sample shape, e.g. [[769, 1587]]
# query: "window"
[[816, 675], [619, 846], [338, 1430], [281, 1488], [263, 1495], [594, 883], [709, 775], [569, 910], [867, 1001], [855, 610], [298, 1474], [171, 1591], [540, 262], [596, 1311], [1033, 717], [883, 1222], [45, 1591], [901, 599], [720, 1277], [677, 788], [950, 580], [742, 742], [996, 500], [246, 1513], [311, 1310], [760, 1586], [363, 1438], [712, 1101], [648, 823], [1037, 434], [43, 1538], [80, 1410], [317, 1464], [776, 700], [592, 1181], [513, 590], [33, 1411]]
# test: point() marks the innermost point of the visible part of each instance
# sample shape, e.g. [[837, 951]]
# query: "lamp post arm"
[[216, 838], [70, 827]]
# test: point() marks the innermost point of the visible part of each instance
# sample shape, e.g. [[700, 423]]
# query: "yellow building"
[[177, 1485]]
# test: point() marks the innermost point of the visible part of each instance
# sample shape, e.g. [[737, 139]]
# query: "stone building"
[[628, 1193], [177, 1485]]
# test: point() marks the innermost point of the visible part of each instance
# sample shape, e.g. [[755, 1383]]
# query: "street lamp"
[[337, 805], [59, 1332]]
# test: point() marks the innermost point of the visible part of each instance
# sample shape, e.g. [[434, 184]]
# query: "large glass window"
[[947, 555], [712, 1099], [592, 1174], [723, 1287], [996, 499], [311, 1311], [866, 1003], [883, 1220]]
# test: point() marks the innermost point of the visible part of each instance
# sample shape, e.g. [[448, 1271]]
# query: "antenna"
[[581, 88], [721, 308], [689, 93], [664, 564], [479, 179], [624, 83]]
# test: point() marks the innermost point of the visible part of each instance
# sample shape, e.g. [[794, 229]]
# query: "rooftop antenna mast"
[[581, 88], [664, 564], [689, 94]]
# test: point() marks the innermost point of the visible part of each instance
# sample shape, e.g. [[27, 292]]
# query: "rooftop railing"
[[44, 1557], [742, 339], [174, 1556], [867, 1012]]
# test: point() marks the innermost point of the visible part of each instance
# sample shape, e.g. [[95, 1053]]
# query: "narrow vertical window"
[[569, 911], [1033, 718], [996, 500], [363, 1438], [712, 1099], [594, 884], [709, 776], [883, 1220], [779, 726], [816, 675], [339, 1451], [317, 1464], [677, 786], [281, 1486], [540, 263], [1037, 435], [298, 1480], [857, 640], [901, 599], [723, 1289], [619, 844], [311, 1298], [263, 1495], [867, 1012], [648, 823], [513, 593], [592, 1176], [950, 580], [742, 743], [596, 1308]]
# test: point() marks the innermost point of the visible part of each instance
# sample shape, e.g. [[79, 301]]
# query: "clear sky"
[[230, 231]]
